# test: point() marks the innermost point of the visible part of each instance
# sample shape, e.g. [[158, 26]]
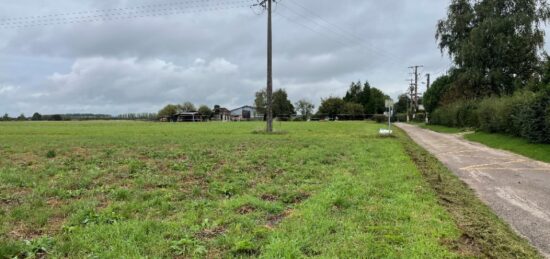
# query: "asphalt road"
[[515, 187]]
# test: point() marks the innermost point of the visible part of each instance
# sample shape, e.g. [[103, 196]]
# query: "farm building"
[[245, 113], [183, 117], [222, 114]]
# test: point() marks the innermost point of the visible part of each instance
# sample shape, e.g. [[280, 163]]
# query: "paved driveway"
[[515, 187]]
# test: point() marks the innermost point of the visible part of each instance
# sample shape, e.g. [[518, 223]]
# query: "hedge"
[[524, 114]]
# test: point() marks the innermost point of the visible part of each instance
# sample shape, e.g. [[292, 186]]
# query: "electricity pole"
[[428, 82], [267, 5], [415, 98]]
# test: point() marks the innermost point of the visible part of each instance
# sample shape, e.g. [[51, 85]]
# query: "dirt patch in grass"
[[274, 220], [269, 197], [246, 209], [483, 233], [210, 233]]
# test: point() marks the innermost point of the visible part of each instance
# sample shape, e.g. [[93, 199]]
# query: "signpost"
[[388, 131]]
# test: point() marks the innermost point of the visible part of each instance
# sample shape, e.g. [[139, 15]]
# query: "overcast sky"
[[142, 56]]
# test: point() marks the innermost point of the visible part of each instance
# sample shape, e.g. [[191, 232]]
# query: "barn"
[[246, 113]]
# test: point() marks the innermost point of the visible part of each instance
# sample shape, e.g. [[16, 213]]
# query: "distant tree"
[[353, 109], [36, 117], [377, 102], [205, 111], [354, 94], [402, 104], [331, 106], [168, 111], [188, 107], [22, 117], [6, 117], [434, 95], [282, 107], [305, 108], [261, 102], [56, 117]]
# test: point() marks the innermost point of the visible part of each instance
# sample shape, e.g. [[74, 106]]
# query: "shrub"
[[380, 118]]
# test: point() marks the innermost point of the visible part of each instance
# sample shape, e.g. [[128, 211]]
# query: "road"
[[515, 187]]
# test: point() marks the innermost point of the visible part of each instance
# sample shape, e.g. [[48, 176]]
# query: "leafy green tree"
[[282, 106], [331, 106], [168, 111], [188, 107], [22, 117], [434, 95], [205, 111], [6, 117], [261, 102], [36, 117], [305, 108], [354, 93], [402, 104], [377, 102], [353, 109], [494, 44]]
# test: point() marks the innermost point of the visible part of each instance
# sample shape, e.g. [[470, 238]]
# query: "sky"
[[122, 56]]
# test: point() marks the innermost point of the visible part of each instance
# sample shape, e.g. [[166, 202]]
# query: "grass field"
[[131, 190]]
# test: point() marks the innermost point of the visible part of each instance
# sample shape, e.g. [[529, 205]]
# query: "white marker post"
[[387, 132]]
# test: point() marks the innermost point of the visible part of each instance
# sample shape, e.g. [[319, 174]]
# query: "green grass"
[[131, 190], [441, 129], [540, 152], [516, 145]]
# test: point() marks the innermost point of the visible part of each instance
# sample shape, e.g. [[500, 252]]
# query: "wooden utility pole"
[[415, 98], [427, 81], [267, 5], [269, 69]]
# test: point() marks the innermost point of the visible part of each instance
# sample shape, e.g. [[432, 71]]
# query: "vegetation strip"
[[483, 232]]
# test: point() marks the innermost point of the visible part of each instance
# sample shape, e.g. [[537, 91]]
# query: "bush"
[[400, 117], [525, 114], [380, 118]]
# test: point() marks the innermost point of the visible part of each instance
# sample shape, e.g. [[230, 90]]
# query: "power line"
[[127, 15], [342, 31]]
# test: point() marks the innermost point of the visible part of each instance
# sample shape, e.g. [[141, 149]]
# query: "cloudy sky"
[[119, 56]]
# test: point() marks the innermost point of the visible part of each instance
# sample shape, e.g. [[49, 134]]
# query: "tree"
[[354, 93], [261, 102], [403, 103], [168, 111], [434, 95], [36, 117], [377, 102], [56, 117], [494, 44], [353, 109], [6, 117], [22, 117], [331, 106], [305, 108], [188, 107], [282, 106], [205, 111]]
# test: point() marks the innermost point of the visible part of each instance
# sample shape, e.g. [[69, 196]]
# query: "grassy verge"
[[483, 233], [441, 129], [517, 145]]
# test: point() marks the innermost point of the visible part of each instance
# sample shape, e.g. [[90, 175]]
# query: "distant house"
[[245, 113], [222, 114]]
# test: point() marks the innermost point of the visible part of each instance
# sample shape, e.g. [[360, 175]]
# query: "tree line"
[[81, 117], [499, 65]]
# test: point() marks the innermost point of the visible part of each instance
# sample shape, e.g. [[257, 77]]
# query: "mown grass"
[[133, 190], [516, 145], [441, 129], [483, 233]]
